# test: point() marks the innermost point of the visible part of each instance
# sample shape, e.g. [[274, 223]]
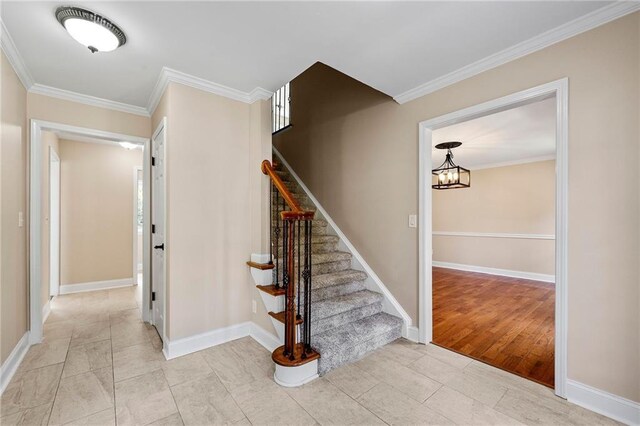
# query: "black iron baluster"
[[271, 222], [284, 247], [307, 285], [285, 255], [276, 280]]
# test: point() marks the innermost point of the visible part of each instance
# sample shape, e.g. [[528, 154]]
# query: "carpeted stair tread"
[[338, 305], [352, 341], [320, 258], [338, 278]]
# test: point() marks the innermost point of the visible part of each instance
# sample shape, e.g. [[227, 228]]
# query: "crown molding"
[[570, 29], [68, 95], [14, 57], [168, 75]]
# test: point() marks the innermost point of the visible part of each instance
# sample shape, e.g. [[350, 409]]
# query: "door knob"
[[159, 246]]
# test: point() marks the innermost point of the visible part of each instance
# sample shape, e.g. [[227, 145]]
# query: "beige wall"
[[13, 199], [49, 142], [96, 211], [209, 204], [360, 159], [516, 199]]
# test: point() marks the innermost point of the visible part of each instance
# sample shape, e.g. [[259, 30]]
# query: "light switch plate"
[[254, 306], [413, 221], [20, 219]]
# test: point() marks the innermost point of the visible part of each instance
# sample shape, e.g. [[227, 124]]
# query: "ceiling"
[[391, 46], [519, 135]]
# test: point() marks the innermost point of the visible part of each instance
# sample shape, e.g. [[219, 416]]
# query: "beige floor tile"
[[172, 420], [450, 357], [87, 357], [404, 379], [224, 360], [508, 380], [243, 422], [264, 402], [58, 330], [82, 395], [30, 389], [533, 409], [351, 380], [128, 334], [154, 337], [46, 353], [144, 399], [30, 417], [136, 360], [103, 418], [434, 368], [249, 349], [482, 389], [206, 401], [464, 410], [394, 408], [330, 406], [91, 332], [126, 315], [401, 352], [186, 368]]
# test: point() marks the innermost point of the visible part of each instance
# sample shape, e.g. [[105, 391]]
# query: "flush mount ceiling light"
[[95, 32], [449, 175]]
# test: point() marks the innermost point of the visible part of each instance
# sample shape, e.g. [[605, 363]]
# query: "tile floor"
[[100, 365]]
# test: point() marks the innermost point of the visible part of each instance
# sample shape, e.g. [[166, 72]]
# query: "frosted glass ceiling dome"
[[95, 32]]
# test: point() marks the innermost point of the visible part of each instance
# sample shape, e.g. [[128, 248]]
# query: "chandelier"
[[449, 175]]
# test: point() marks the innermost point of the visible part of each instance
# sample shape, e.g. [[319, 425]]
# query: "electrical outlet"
[[413, 221], [254, 306], [20, 219]]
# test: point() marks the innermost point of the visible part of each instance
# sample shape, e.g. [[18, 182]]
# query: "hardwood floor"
[[505, 322]]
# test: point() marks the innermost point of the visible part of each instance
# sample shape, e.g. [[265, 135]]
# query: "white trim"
[[96, 285], [413, 334], [293, 377], [136, 233], [570, 29], [605, 403], [269, 341], [168, 75], [80, 98], [390, 304], [496, 271], [559, 89], [494, 235], [54, 219], [179, 347], [513, 162], [35, 209], [14, 57], [46, 310], [11, 364]]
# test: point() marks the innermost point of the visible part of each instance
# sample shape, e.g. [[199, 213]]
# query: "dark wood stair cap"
[[272, 290], [279, 316], [261, 266], [279, 358]]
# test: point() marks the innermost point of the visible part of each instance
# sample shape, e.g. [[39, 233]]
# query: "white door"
[[157, 229], [54, 223]]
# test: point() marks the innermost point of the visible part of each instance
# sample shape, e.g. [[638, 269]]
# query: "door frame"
[[146, 294], [54, 248], [559, 89], [136, 169], [36, 127]]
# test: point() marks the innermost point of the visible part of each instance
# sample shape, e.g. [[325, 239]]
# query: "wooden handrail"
[[296, 211]]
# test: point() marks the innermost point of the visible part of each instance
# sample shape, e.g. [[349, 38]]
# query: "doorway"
[[38, 158], [557, 90]]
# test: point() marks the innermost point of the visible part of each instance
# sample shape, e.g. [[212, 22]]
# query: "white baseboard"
[[11, 364], [495, 271], [605, 403], [412, 333], [187, 345], [46, 310], [96, 285], [390, 304], [269, 341]]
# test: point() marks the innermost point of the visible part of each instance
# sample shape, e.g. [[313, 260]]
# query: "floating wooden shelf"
[[280, 317], [272, 290], [279, 358], [261, 266]]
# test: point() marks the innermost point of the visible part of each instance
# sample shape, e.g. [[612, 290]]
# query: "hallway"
[[99, 363]]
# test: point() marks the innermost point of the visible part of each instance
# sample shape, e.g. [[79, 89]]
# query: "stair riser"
[[336, 290], [319, 229], [330, 360], [325, 268], [323, 324]]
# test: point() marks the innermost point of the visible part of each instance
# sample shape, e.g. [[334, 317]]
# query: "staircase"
[[347, 320]]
